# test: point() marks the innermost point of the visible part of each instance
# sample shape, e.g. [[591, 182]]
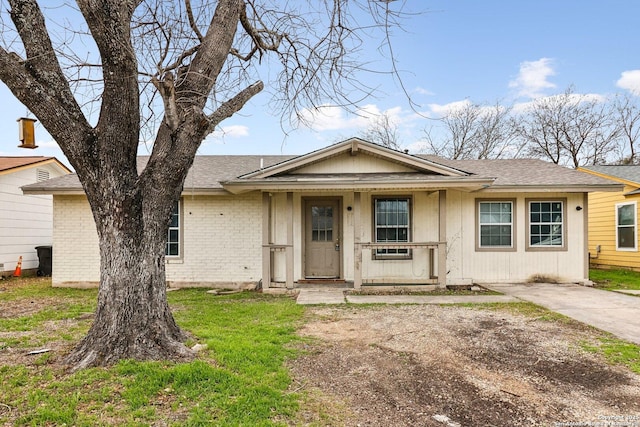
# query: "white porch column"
[[357, 235], [442, 238], [266, 250], [289, 249]]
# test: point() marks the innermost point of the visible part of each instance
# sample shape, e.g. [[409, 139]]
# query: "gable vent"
[[42, 175]]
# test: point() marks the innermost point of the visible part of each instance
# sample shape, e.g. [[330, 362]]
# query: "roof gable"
[[10, 164], [355, 155]]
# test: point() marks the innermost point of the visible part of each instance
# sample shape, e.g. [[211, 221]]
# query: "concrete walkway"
[[613, 312], [337, 296]]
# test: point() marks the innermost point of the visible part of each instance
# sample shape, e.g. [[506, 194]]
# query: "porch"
[[358, 248]]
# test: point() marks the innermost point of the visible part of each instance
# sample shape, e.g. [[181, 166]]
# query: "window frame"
[[177, 228], [635, 226], [546, 248], [514, 245], [377, 254]]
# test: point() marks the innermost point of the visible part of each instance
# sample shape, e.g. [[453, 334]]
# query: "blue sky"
[[453, 51]]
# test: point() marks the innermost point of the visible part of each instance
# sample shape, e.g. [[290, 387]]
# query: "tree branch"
[[233, 105]]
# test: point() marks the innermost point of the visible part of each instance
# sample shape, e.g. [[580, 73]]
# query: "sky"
[[448, 52]]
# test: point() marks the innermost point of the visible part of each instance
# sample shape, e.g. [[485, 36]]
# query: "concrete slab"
[[428, 299], [320, 296], [613, 312], [337, 296], [628, 291]]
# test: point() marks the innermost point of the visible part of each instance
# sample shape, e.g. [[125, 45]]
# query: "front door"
[[322, 238]]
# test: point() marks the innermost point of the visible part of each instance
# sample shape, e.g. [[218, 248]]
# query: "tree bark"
[[132, 208]]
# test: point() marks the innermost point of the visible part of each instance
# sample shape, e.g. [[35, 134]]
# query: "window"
[[392, 225], [321, 223], [173, 236], [546, 224], [626, 235], [495, 224]]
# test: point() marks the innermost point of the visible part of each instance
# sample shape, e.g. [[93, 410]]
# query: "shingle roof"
[[626, 172], [208, 172], [523, 172], [7, 163]]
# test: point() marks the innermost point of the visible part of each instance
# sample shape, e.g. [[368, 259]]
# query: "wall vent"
[[42, 175]]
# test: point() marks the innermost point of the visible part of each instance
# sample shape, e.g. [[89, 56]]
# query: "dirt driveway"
[[455, 366]]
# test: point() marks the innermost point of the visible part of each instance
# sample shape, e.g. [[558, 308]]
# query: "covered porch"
[[358, 248]]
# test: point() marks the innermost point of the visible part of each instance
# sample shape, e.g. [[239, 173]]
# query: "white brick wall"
[[76, 255], [221, 242]]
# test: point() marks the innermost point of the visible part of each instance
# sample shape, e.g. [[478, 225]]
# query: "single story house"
[[26, 221], [353, 212], [613, 218]]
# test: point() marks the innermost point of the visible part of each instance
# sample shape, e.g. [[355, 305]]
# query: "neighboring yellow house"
[[613, 218]]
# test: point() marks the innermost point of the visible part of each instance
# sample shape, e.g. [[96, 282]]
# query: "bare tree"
[[627, 118], [204, 60], [474, 131], [383, 131], [569, 129]]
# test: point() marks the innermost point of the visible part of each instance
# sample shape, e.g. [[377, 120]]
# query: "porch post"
[[357, 235], [266, 250], [289, 249], [442, 238]]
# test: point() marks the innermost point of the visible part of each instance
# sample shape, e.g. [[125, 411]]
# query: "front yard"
[[272, 362]]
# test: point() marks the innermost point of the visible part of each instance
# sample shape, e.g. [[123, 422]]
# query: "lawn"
[[240, 379], [615, 279]]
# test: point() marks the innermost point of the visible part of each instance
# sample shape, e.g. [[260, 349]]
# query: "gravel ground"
[[454, 366]]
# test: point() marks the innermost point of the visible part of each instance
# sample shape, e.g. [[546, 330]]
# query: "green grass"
[[615, 279], [241, 378], [617, 352]]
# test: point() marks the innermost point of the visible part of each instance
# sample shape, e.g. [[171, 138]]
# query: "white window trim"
[[179, 228], [565, 226], [635, 227], [397, 256], [479, 246]]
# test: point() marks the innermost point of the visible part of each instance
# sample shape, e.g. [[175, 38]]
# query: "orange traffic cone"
[[18, 271]]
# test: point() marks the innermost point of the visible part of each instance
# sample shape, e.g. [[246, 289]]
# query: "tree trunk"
[[133, 319]]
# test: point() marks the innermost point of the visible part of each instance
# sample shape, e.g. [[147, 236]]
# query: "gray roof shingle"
[[626, 172], [208, 172]]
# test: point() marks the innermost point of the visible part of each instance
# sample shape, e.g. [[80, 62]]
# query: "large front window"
[[626, 236], [495, 224], [546, 224], [392, 225], [173, 236]]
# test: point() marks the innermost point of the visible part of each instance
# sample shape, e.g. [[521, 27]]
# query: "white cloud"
[[444, 109], [331, 118], [630, 80], [423, 91], [574, 98], [533, 77], [223, 132]]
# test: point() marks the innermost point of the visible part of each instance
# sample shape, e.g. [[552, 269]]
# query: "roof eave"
[[579, 188], [52, 191], [239, 187]]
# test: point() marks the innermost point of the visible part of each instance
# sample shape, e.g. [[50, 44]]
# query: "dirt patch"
[[454, 366]]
